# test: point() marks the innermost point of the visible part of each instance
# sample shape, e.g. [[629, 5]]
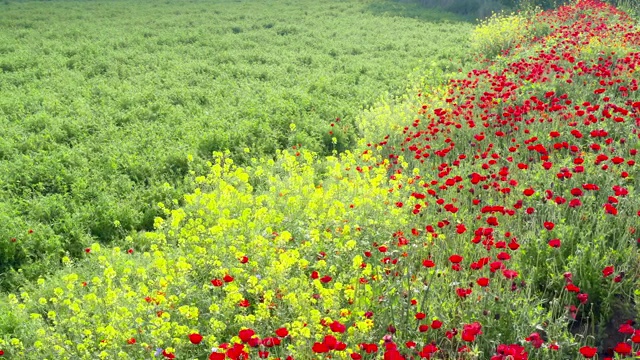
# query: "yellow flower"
[[59, 349]]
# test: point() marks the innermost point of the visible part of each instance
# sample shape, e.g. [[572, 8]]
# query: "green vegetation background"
[[102, 102]]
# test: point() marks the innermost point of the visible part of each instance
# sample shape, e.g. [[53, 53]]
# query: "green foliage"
[[498, 33], [502, 31], [631, 7], [415, 9], [473, 8], [528, 4], [102, 102]]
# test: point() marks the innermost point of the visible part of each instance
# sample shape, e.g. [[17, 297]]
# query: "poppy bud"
[[391, 329]]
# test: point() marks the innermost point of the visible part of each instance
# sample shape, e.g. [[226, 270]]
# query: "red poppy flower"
[[428, 263], [237, 352], [588, 352], [554, 243], [483, 281], [337, 327], [549, 225], [607, 271], [470, 331], [510, 274], [514, 351], [610, 209], [369, 348], [246, 335], [325, 279], [270, 341], [282, 332], [572, 288], [217, 356], [463, 293], [583, 298], [626, 328], [623, 348], [535, 340], [320, 348], [227, 278], [195, 338], [455, 258], [575, 203], [131, 341], [436, 324], [428, 351], [254, 342]]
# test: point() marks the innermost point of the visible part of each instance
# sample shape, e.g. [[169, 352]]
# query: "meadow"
[[485, 212], [103, 103]]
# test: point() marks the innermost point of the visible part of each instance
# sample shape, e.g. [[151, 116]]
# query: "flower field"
[[102, 102], [492, 217]]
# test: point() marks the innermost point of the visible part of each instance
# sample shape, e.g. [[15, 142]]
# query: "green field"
[[102, 102]]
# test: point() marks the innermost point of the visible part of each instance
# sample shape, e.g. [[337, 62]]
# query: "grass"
[[102, 102]]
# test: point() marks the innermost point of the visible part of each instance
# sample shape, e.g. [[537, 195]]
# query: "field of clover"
[[491, 217]]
